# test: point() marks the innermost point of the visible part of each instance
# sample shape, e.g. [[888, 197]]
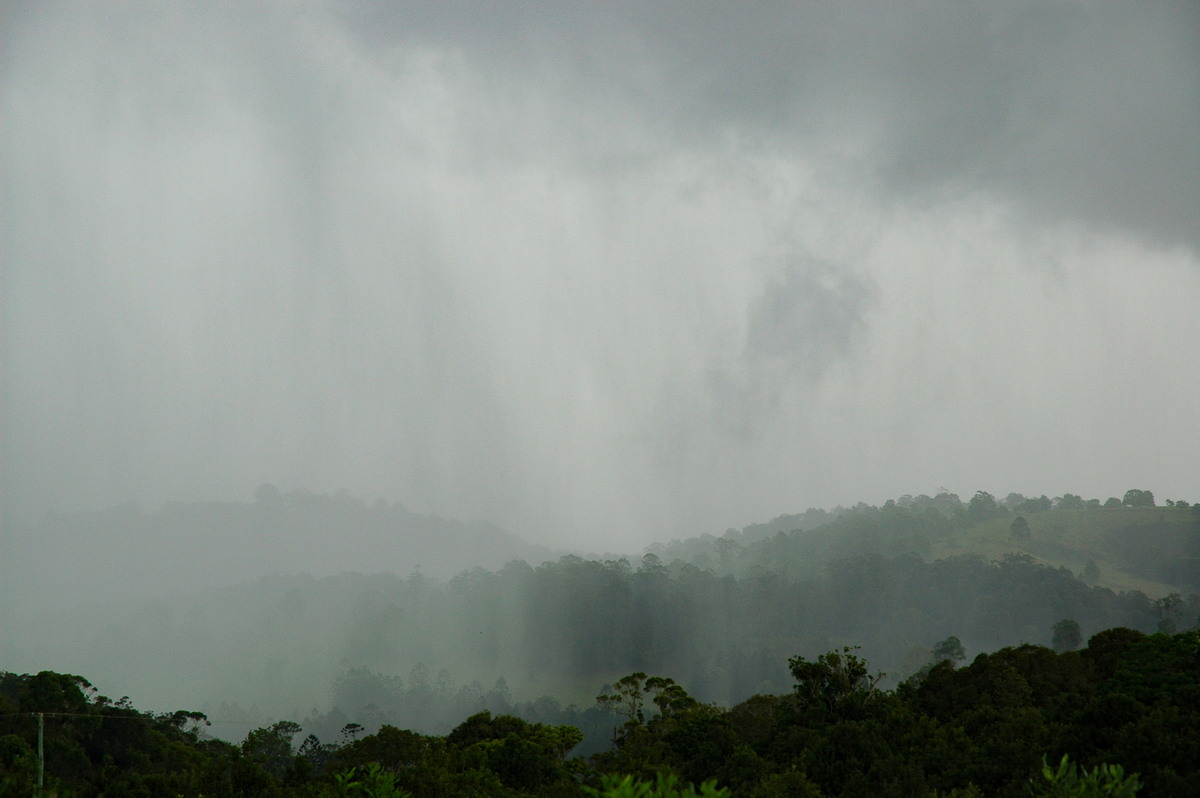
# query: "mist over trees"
[[720, 614]]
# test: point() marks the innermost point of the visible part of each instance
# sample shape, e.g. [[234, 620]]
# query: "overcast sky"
[[602, 273]]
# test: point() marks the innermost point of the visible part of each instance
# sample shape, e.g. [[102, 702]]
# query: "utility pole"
[[41, 756]]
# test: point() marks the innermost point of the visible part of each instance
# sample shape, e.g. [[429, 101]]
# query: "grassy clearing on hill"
[[1152, 549]]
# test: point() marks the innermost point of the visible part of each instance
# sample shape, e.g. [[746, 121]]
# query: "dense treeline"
[[984, 729]]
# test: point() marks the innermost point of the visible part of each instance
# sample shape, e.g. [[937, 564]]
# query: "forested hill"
[[419, 652], [1124, 544]]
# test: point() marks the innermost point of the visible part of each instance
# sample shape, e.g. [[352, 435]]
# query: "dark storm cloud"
[[1085, 111]]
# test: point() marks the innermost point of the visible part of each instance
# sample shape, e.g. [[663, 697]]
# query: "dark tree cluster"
[[1119, 715]]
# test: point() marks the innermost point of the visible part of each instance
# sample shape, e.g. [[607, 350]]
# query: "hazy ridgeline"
[[720, 615], [182, 547]]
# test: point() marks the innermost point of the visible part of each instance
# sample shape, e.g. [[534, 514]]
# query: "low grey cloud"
[[807, 318], [804, 321]]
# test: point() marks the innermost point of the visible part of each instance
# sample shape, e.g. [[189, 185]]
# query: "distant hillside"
[[1153, 549], [126, 552]]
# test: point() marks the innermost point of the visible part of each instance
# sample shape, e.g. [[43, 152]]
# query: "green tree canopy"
[[1138, 498], [838, 682]]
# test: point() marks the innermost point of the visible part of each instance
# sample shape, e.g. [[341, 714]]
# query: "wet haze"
[[599, 273]]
